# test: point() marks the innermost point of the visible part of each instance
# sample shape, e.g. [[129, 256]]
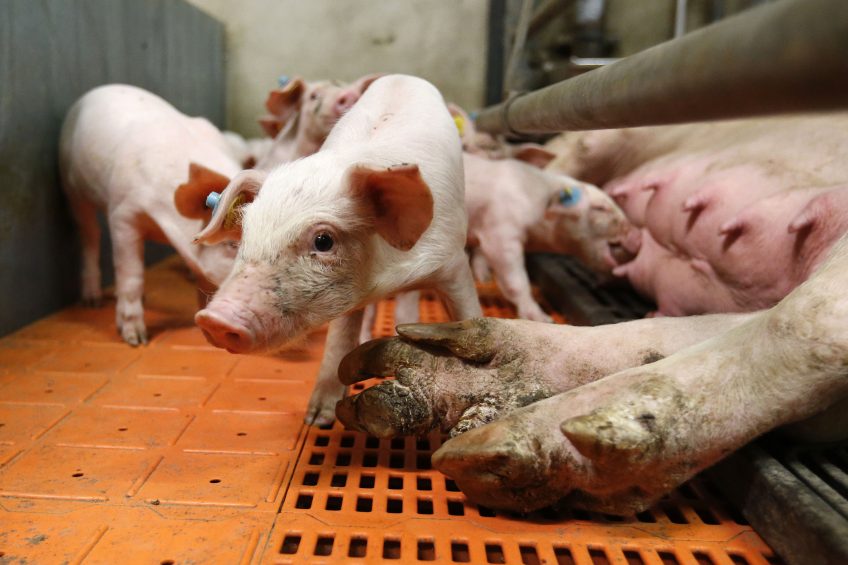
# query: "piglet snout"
[[225, 332]]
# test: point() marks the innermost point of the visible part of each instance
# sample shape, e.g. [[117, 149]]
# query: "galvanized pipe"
[[782, 57]]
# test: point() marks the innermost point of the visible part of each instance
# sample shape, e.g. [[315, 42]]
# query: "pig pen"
[[180, 453]]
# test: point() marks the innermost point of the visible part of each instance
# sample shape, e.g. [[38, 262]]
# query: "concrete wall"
[[51, 52], [443, 41]]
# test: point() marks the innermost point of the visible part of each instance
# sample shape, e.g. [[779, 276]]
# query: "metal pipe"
[[680, 18], [518, 44], [782, 57]]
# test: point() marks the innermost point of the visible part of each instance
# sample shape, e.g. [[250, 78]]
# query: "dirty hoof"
[[451, 377], [387, 410]]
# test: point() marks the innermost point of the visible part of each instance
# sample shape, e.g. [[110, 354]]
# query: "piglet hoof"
[[321, 410], [92, 301], [320, 416], [134, 333], [92, 295]]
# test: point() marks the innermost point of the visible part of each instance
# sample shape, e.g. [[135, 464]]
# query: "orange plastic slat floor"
[[181, 453]]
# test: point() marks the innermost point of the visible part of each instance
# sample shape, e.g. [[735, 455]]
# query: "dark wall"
[[51, 52]]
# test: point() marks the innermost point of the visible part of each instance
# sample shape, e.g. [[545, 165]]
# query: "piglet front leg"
[[342, 337], [506, 257], [128, 256]]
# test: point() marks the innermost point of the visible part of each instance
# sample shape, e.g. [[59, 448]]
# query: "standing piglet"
[[125, 150], [515, 207], [379, 209]]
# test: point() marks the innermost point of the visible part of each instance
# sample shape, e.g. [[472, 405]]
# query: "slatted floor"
[[180, 453]]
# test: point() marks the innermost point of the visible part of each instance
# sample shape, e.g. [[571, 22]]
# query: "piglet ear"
[[284, 102], [362, 83], [271, 125], [225, 224], [533, 154], [398, 200], [190, 197]]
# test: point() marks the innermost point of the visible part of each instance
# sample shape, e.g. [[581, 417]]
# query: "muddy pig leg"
[[619, 444], [459, 375]]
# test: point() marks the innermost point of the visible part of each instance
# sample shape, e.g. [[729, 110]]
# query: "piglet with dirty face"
[[379, 209]]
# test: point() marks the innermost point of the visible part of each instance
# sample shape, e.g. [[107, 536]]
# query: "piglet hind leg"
[[85, 216], [618, 444], [342, 337]]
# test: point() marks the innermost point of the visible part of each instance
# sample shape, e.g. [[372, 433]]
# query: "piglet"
[[379, 209], [125, 150], [515, 207], [301, 115]]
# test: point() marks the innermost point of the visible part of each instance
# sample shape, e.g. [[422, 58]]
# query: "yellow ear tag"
[[460, 124], [230, 220]]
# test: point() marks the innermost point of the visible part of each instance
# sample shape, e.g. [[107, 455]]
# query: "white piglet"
[[126, 151], [515, 207], [379, 209]]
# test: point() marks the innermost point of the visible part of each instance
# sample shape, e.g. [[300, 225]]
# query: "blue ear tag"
[[569, 196], [212, 200], [283, 80]]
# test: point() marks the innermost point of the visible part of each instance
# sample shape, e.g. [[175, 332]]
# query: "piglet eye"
[[323, 242], [313, 96]]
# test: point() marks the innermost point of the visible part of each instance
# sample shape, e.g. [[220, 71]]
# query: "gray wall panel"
[[51, 52]]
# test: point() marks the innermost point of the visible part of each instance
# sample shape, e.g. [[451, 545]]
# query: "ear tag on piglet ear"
[[460, 124], [230, 219], [283, 80], [569, 196]]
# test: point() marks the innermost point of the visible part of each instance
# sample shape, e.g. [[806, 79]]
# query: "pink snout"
[[224, 332], [345, 102]]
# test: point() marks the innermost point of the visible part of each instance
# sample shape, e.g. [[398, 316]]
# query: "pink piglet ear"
[[271, 125], [285, 102], [225, 224], [362, 83], [533, 154], [398, 200], [190, 197]]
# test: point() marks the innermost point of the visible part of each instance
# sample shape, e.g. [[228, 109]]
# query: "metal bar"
[[545, 14], [680, 18], [782, 57], [518, 44]]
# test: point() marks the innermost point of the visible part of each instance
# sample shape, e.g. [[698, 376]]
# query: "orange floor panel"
[[178, 452]]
